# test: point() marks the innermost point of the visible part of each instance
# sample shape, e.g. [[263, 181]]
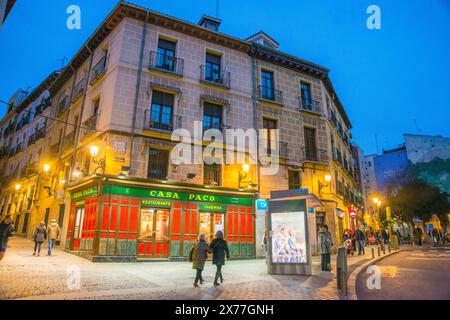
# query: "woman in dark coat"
[[39, 236], [6, 231], [198, 255], [219, 248]]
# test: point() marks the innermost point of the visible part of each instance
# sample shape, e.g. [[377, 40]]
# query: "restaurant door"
[[210, 223], [78, 228], [153, 241]]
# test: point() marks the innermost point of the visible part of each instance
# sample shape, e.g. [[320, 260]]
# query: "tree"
[[419, 199]]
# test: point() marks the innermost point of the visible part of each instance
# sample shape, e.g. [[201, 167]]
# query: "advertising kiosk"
[[288, 246]]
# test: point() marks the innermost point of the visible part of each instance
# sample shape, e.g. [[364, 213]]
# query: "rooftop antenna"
[[63, 61]]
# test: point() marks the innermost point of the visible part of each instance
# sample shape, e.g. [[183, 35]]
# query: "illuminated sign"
[[84, 193], [213, 207], [156, 203]]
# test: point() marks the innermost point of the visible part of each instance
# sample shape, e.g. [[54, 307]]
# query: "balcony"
[[165, 63], [89, 126], [63, 105], [38, 111], [270, 94], [333, 119], [78, 90], [98, 71], [54, 148], [217, 78], [69, 141], [31, 140], [40, 133], [175, 123], [309, 105], [315, 155], [23, 122], [9, 129], [3, 152], [46, 102], [337, 156]]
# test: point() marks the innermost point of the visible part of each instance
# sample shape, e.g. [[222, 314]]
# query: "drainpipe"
[[136, 97], [255, 120]]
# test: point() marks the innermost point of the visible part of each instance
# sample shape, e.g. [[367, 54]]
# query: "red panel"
[[125, 202], [94, 217], [249, 210], [229, 224], [236, 224], [115, 201], [111, 235], [113, 222], [133, 219], [177, 205], [242, 209], [122, 235], [157, 248], [132, 236], [141, 248], [76, 244], [106, 200], [193, 222], [194, 207], [103, 235], [250, 225], [134, 202], [71, 217], [176, 222], [105, 217], [242, 229], [188, 206], [148, 248], [165, 247], [69, 235], [175, 238], [187, 220], [123, 226]]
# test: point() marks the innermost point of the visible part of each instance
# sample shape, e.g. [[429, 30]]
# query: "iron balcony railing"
[[46, 102], [149, 124], [333, 119], [39, 109], [78, 89], [9, 129], [54, 148], [98, 70], [40, 133], [337, 156], [89, 126], [23, 122], [219, 78], [270, 94], [315, 155], [166, 63], [63, 105], [31, 139], [309, 105], [69, 140]]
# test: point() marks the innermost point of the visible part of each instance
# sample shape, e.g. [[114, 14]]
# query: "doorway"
[[78, 228], [210, 223], [153, 241]]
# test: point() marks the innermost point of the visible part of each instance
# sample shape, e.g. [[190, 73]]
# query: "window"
[[62, 208], [212, 69], [306, 95], [269, 127], [161, 110], [310, 144], [25, 222], [47, 215], [267, 86], [166, 55], [95, 106], [294, 179], [158, 161], [212, 116], [212, 174]]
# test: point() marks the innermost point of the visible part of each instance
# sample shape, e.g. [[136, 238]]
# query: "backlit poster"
[[288, 237]]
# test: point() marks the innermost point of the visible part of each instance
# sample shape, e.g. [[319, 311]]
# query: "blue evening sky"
[[385, 78]]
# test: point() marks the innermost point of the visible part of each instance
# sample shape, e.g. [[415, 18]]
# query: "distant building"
[[390, 169], [429, 159]]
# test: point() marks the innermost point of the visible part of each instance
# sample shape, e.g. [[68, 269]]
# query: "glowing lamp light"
[[46, 167], [18, 186], [375, 200], [76, 173], [245, 167], [93, 150], [327, 178]]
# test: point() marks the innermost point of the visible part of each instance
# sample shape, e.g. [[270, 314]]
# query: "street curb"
[[351, 282]]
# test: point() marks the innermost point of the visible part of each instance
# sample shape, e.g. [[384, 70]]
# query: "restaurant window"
[[157, 164], [166, 55], [161, 110], [212, 69], [269, 127], [310, 144], [267, 85], [212, 116], [294, 179], [212, 174]]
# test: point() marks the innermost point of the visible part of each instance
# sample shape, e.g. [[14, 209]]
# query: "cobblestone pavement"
[[23, 276], [418, 274]]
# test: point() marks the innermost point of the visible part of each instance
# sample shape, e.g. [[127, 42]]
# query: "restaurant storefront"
[[123, 220]]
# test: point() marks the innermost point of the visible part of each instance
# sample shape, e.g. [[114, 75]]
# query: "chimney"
[[210, 23]]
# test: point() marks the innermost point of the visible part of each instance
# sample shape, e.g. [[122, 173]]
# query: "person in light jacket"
[[39, 237], [219, 249], [198, 255], [324, 242], [52, 235], [6, 231]]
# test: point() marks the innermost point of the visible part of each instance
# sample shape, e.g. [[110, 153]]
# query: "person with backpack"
[[219, 249], [39, 237]]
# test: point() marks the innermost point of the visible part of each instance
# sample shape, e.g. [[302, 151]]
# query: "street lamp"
[[93, 150], [18, 186], [46, 168], [327, 178], [244, 175]]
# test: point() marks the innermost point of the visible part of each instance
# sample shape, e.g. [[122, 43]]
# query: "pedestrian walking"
[[399, 237], [219, 249], [6, 231], [324, 242], [198, 255], [52, 235], [39, 237], [264, 242], [359, 238]]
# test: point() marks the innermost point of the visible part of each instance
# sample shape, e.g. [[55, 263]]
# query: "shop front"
[[113, 220]]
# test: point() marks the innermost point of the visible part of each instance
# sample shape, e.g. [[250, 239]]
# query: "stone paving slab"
[[23, 276]]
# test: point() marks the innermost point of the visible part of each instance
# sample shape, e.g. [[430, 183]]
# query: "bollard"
[[389, 248], [373, 253], [341, 270], [379, 251], [384, 249]]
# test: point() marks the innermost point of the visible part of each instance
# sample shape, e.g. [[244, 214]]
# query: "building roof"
[[9, 6]]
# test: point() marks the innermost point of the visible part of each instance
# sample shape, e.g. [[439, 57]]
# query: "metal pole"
[[341, 269], [373, 253]]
